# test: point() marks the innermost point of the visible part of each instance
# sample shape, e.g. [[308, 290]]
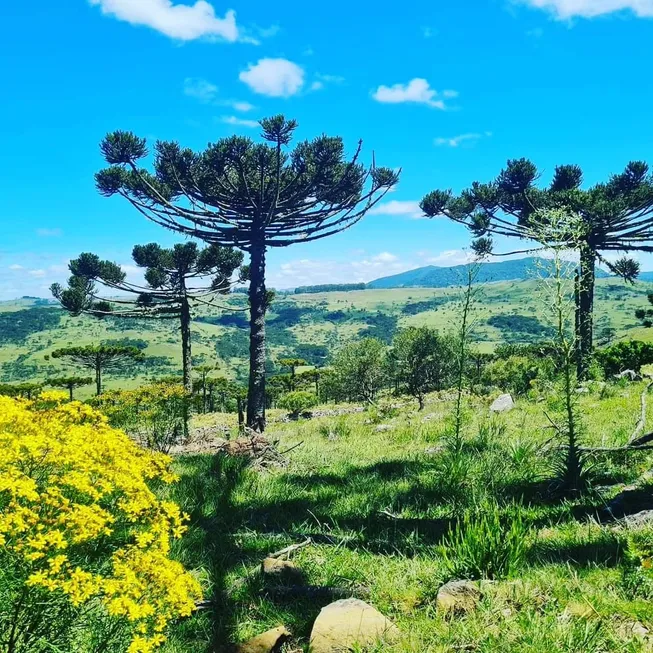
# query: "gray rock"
[[434, 451], [502, 404], [344, 624], [382, 428], [458, 596], [582, 390], [270, 641], [631, 375], [642, 518]]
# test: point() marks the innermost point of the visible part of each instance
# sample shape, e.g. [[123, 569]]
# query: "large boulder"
[[344, 624], [502, 404], [458, 596], [270, 641], [630, 375]]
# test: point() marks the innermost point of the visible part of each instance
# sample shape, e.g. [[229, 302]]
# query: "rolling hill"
[[432, 276]]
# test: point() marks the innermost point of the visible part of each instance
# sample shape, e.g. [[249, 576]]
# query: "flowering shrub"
[[155, 414], [84, 541]]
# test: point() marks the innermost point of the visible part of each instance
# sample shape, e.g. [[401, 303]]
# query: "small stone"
[[344, 624], [434, 451], [502, 404], [630, 375], [429, 417], [281, 569], [582, 390], [458, 596], [381, 428], [269, 642]]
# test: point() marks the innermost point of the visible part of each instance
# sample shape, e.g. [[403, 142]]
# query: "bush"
[[297, 402], [514, 374], [483, 545], [84, 542], [625, 355], [154, 414]]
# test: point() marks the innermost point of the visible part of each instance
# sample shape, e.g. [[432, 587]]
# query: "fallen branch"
[[290, 549]]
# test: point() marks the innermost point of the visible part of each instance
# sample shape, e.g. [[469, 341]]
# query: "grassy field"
[[507, 311], [378, 504]]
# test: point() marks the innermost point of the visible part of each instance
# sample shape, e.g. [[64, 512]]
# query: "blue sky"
[[447, 91]]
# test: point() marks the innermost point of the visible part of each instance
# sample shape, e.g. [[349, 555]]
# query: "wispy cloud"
[[314, 271], [178, 21], [242, 106], [407, 208], [461, 139], [200, 89], [49, 233], [417, 91], [37, 274], [239, 122], [274, 77], [567, 9], [15, 266]]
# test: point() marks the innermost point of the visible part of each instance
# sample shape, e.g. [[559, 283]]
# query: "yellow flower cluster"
[[72, 489]]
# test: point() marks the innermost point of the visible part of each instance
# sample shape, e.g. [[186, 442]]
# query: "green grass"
[[379, 509]]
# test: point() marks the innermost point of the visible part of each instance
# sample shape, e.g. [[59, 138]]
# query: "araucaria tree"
[[616, 216], [177, 279], [100, 358], [248, 195], [70, 383]]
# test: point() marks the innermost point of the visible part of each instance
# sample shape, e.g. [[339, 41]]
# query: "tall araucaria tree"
[[177, 279], [100, 358], [248, 195], [616, 216]]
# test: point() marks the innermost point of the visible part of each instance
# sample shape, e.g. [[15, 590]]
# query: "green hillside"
[[432, 276], [309, 326]]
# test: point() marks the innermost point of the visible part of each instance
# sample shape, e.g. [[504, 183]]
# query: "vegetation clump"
[[84, 541]]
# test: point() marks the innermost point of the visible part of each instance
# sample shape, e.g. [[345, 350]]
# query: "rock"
[[642, 518], [582, 390], [381, 428], [429, 417], [434, 451], [630, 375], [458, 596], [502, 404], [344, 624], [269, 642], [281, 569]]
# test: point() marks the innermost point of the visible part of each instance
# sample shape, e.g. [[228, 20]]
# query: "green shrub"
[[298, 402], [484, 545], [625, 355], [514, 374]]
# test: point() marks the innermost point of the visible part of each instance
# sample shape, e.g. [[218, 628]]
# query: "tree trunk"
[[186, 353], [241, 416], [257, 301], [585, 311], [420, 399], [98, 376], [70, 390]]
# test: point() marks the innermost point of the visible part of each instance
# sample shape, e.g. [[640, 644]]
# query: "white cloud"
[[200, 89], [448, 258], [178, 21], [384, 257], [16, 267], [317, 86], [38, 274], [408, 208], [456, 141], [567, 9], [242, 106], [240, 122], [274, 77], [416, 91], [48, 233], [311, 271]]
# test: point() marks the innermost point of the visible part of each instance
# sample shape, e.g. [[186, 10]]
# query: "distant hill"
[[432, 276]]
